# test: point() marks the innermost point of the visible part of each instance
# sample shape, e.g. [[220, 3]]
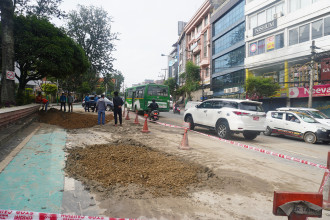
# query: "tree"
[[44, 8], [91, 28], [258, 87], [171, 83], [41, 50], [192, 78], [49, 89]]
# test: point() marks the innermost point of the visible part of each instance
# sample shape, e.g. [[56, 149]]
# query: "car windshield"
[[249, 106], [306, 118], [319, 115]]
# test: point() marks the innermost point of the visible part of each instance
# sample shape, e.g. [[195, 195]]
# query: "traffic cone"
[[127, 116], [184, 143], [145, 127], [136, 119]]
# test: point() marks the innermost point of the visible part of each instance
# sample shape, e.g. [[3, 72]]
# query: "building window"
[[317, 29], [261, 46], [293, 36], [232, 37], [266, 45], [327, 26], [304, 33], [232, 16], [234, 79], [279, 41], [232, 59], [294, 5], [198, 59], [206, 21], [199, 28], [266, 15], [205, 44], [207, 72]]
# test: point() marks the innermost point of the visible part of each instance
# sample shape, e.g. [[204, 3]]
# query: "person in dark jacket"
[[153, 106], [70, 102], [117, 104], [63, 101]]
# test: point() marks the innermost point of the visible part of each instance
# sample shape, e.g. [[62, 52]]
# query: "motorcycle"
[[176, 110], [154, 115]]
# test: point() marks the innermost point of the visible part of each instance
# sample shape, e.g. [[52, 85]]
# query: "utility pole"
[[311, 77]]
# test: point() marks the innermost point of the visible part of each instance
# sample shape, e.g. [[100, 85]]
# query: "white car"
[[314, 113], [191, 104], [228, 116], [296, 124]]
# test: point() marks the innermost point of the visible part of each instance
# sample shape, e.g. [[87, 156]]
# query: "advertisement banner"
[[282, 92], [270, 43], [318, 90]]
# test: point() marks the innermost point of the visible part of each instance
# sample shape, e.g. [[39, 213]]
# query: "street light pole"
[[311, 77]]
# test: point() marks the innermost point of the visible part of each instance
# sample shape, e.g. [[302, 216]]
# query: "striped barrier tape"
[[27, 215], [283, 156], [324, 181]]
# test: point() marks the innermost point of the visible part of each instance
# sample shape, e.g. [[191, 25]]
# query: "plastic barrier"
[[325, 186], [27, 215]]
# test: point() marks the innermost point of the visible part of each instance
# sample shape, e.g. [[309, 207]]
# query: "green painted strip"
[[34, 179]]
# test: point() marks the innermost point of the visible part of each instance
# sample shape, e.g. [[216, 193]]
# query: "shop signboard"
[[325, 69], [318, 90], [282, 92], [265, 27]]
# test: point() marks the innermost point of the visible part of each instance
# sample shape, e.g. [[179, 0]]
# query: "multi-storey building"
[[228, 49], [279, 35], [197, 33]]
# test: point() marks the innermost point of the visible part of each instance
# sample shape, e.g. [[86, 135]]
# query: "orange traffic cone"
[[127, 116], [136, 119], [145, 127], [184, 143]]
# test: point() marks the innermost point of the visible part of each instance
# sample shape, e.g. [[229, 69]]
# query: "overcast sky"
[[147, 29]]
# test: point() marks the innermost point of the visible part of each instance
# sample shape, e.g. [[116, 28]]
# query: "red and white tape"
[[324, 181], [283, 156], [27, 215]]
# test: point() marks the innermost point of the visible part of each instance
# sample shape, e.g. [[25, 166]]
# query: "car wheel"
[[250, 135], [268, 131], [191, 122], [310, 138], [223, 130]]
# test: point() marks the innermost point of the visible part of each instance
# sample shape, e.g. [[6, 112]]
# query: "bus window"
[[139, 92], [130, 93], [157, 91]]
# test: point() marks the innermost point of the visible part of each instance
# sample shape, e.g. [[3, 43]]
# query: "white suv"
[[228, 116]]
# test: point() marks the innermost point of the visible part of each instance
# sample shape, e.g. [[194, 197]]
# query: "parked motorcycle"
[[176, 110], [154, 115]]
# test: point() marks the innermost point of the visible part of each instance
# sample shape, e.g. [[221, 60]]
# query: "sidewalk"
[[34, 179]]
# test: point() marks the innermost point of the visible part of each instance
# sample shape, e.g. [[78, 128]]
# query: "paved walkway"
[[34, 179]]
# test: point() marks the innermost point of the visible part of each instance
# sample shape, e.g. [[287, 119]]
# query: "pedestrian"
[[70, 102], [87, 103], [45, 103], [117, 104], [63, 101], [101, 107], [95, 101]]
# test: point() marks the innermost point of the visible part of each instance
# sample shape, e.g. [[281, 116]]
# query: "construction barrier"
[[27, 215], [325, 186]]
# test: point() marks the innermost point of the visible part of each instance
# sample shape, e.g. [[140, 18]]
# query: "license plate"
[[256, 118]]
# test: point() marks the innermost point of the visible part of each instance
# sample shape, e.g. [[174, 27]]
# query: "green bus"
[[139, 97]]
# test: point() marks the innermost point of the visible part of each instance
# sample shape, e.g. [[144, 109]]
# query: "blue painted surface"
[[34, 179]]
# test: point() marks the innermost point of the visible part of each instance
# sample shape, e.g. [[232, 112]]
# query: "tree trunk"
[[7, 23]]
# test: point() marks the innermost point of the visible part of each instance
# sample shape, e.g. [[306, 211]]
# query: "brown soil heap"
[[138, 169], [71, 120]]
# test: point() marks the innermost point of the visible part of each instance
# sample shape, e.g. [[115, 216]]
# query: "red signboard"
[[318, 90], [325, 69]]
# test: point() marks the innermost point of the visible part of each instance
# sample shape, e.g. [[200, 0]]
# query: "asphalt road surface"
[[316, 153]]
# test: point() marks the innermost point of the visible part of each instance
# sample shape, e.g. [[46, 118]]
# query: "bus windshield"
[[158, 91]]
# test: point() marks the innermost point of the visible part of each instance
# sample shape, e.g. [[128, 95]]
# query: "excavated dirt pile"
[[135, 171], [71, 120]]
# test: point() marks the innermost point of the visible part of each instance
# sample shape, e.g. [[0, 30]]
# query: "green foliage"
[[258, 87], [191, 78], [90, 26], [26, 98], [41, 50], [49, 89], [170, 82], [84, 88], [100, 90]]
